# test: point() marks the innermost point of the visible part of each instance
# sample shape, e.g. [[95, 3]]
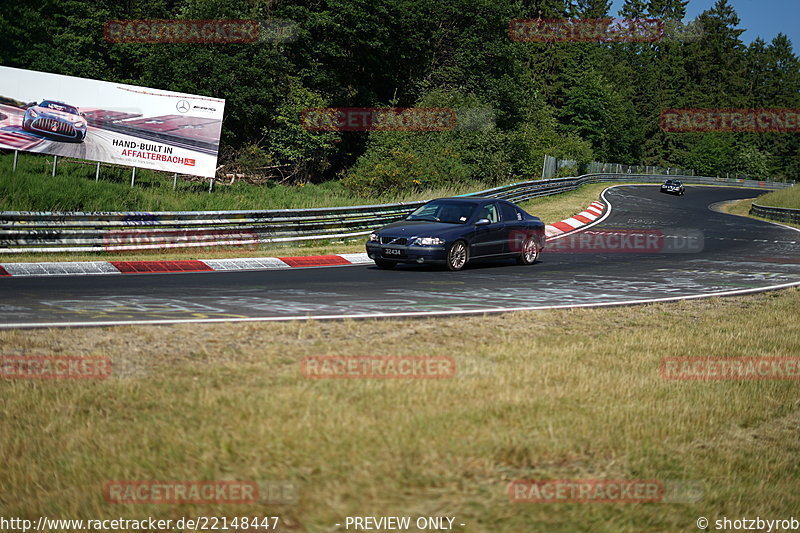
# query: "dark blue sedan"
[[453, 231]]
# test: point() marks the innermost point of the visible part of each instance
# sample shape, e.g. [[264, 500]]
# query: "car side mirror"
[[483, 222]]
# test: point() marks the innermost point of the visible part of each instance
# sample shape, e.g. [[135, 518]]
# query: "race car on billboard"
[[55, 119]]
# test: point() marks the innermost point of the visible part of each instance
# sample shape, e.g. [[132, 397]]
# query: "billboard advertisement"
[[109, 122]]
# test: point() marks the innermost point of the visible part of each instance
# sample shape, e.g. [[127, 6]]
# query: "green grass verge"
[[742, 208], [32, 188], [545, 395], [789, 198]]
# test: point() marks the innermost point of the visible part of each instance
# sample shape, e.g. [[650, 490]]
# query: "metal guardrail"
[[781, 214], [35, 231]]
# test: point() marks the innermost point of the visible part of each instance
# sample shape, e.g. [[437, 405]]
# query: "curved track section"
[[738, 256]]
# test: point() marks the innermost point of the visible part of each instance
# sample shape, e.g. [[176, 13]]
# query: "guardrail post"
[[211, 185], [133, 176], [16, 154], [55, 159], [175, 181], [97, 172]]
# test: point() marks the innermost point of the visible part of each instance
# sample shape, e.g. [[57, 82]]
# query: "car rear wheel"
[[385, 265], [529, 253], [457, 255]]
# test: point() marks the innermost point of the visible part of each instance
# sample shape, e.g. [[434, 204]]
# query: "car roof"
[[474, 200]]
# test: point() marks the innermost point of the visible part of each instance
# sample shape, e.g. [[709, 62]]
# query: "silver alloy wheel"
[[530, 251], [457, 256]]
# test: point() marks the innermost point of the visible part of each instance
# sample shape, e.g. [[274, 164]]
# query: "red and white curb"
[[88, 268], [587, 216], [85, 268]]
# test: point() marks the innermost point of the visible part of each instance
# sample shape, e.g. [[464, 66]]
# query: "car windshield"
[[59, 107], [444, 211]]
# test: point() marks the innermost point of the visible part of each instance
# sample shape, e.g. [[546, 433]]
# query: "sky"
[[761, 18]]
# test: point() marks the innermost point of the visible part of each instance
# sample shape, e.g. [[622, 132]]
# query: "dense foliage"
[[584, 101]]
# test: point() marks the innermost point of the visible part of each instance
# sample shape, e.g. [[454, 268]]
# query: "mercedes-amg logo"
[[182, 106]]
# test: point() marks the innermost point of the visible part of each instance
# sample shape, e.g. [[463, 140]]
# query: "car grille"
[[394, 240], [54, 126]]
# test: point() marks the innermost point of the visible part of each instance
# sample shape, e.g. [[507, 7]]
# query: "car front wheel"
[[457, 255]]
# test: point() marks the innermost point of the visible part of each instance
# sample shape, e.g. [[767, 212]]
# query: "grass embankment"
[[545, 395], [788, 198], [34, 189]]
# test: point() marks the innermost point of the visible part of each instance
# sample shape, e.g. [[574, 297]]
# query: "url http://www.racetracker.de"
[[188, 524], [748, 524]]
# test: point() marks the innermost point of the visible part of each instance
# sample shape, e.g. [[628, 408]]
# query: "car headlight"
[[34, 114], [373, 237], [78, 124], [428, 241]]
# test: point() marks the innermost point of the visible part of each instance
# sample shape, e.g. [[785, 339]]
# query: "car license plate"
[[392, 251]]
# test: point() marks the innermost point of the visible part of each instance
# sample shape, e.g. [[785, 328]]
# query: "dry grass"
[[542, 395]]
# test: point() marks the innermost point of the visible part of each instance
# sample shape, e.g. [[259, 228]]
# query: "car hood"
[[53, 113], [414, 228]]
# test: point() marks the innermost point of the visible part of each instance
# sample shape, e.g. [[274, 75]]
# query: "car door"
[[514, 233], [489, 239]]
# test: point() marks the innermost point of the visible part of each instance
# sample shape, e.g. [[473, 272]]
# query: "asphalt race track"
[[738, 255]]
